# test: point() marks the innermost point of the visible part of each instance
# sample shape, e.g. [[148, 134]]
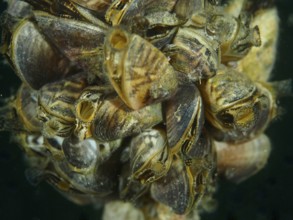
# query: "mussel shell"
[[238, 162], [58, 99], [174, 189], [10, 120], [114, 120], [193, 54], [161, 39], [234, 8], [70, 36], [202, 148], [26, 107], [86, 107], [139, 72], [19, 9], [189, 177], [100, 181], [56, 105], [200, 161], [89, 101], [130, 189], [16, 12], [201, 174], [184, 116], [124, 12], [238, 37], [34, 59], [153, 20], [62, 185], [259, 62], [150, 158], [62, 8], [80, 42], [236, 107], [82, 155], [226, 88], [91, 16]]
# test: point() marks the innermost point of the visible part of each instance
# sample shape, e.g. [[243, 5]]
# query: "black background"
[[266, 196]]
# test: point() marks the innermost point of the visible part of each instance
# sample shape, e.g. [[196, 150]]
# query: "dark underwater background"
[[266, 196]]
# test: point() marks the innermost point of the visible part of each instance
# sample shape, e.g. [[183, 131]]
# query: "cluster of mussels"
[[144, 101]]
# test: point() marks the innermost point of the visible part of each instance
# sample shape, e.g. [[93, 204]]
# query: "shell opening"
[[118, 40], [51, 128], [85, 111]]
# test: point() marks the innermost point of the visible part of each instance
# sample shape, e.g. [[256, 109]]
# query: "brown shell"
[[99, 181], [237, 38], [193, 54], [56, 105], [184, 117], [45, 63], [238, 162], [114, 120], [139, 72], [174, 188], [236, 107], [185, 184], [85, 155], [123, 12], [79, 41], [150, 158]]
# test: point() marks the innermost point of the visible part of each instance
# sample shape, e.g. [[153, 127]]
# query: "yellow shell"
[[236, 107], [140, 73]]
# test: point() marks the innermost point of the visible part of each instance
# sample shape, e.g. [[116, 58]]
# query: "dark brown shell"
[[193, 54], [114, 120], [150, 156], [174, 189], [188, 179], [45, 63], [80, 42], [184, 117]]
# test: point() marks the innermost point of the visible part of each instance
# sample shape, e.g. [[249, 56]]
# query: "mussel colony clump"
[[142, 101]]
